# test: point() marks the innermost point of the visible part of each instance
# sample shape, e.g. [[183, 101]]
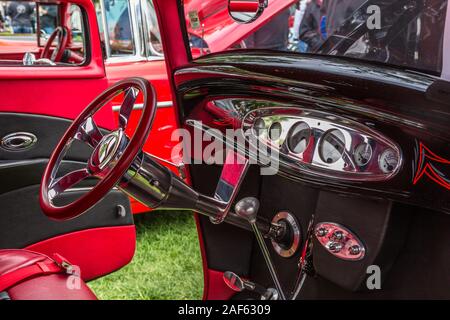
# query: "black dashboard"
[[369, 132]]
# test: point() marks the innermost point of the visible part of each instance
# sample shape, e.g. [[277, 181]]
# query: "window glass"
[[17, 20], [154, 36], [397, 32], [21, 21], [118, 20], [48, 20]]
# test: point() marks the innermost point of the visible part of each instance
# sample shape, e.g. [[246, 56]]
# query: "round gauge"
[[388, 161], [275, 131], [362, 154], [332, 146], [259, 126], [298, 137]]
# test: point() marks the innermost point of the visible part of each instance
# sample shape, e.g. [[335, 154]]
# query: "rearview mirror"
[[246, 11]]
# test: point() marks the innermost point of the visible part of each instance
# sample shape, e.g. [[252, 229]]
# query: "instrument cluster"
[[324, 143]]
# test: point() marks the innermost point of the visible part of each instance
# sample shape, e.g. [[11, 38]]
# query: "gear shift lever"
[[248, 209]]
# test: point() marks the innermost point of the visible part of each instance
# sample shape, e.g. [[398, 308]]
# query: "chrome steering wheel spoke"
[[89, 133], [127, 106], [59, 185]]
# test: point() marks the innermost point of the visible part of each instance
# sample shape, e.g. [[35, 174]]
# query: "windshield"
[[407, 33]]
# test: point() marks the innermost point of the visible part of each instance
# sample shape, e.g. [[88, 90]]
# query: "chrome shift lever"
[[248, 209]]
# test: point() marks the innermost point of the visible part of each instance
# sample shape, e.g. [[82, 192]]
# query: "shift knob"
[[247, 208]]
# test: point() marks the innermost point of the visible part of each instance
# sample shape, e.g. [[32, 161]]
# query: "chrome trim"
[[180, 167], [140, 106], [226, 190], [151, 53], [248, 208], [340, 241], [139, 30], [105, 29], [320, 124], [292, 224], [18, 141], [85, 189]]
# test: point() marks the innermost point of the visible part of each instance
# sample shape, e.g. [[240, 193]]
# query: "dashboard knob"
[[354, 250], [338, 235], [321, 232], [335, 247], [248, 208]]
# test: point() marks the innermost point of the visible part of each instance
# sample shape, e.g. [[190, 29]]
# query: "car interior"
[[336, 168]]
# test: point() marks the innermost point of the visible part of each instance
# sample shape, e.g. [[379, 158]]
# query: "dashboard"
[[305, 141], [323, 143], [363, 130]]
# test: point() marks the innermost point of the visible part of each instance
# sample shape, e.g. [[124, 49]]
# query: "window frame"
[[139, 33]]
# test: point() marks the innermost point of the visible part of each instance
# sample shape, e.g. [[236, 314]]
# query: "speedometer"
[[332, 146]]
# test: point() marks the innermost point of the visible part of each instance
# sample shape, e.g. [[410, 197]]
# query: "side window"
[[154, 36], [32, 34], [118, 20]]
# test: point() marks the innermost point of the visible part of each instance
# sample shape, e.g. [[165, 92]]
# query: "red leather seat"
[[27, 275]]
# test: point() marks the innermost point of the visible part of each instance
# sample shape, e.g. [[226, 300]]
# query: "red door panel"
[[110, 248], [57, 98]]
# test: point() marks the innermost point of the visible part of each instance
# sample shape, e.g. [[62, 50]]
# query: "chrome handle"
[[18, 141]]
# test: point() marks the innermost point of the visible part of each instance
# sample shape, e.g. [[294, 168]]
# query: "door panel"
[[41, 102], [108, 227]]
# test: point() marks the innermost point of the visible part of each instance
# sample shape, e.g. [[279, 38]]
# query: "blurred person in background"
[[2, 20], [48, 18], [21, 16], [298, 18], [274, 35], [310, 31], [338, 11], [323, 18]]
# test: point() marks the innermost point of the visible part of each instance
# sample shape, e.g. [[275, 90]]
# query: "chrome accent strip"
[[139, 106], [133, 7], [105, 29]]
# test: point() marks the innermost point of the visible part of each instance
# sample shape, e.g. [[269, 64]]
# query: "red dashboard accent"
[[426, 167], [96, 252]]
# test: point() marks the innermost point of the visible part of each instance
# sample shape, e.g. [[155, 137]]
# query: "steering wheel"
[[112, 155], [63, 37]]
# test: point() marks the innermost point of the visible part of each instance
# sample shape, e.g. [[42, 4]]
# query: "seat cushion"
[[51, 286]]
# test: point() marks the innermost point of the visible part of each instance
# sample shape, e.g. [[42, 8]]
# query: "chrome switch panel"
[[340, 241]]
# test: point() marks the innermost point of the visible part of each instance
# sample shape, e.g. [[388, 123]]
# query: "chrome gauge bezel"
[[380, 158], [335, 134], [321, 123], [356, 152], [291, 134]]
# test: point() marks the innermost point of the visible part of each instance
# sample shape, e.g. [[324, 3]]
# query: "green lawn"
[[167, 263]]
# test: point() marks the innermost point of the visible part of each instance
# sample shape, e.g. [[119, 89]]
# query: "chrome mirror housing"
[[246, 11]]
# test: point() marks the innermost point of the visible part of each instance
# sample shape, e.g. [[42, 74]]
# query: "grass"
[[167, 263]]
